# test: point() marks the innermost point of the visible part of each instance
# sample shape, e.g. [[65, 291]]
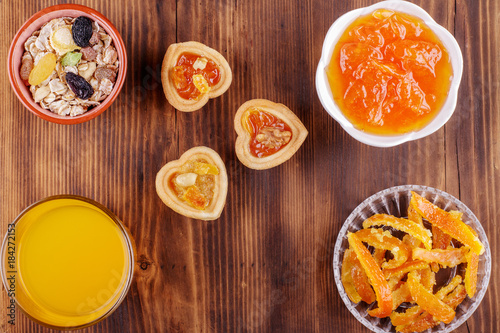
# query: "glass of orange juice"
[[67, 262]]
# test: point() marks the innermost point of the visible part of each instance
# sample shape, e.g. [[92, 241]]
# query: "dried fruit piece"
[[427, 278], [102, 73], [94, 39], [205, 168], [428, 301], [82, 31], [201, 83], [448, 223], [42, 69], [377, 280], [379, 256], [471, 273], [405, 268], [456, 296], [440, 240], [400, 295], [381, 239], [405, 225], [346, 276], [62, 41], [446, 258], [457, 280], [71, 59], [195, 198], [26, 66], [413, 215], [360, 280], [405, 318], [79, 86]]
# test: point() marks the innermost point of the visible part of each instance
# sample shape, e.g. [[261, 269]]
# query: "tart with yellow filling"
[[195, 185], [192, 73], [268, 134]]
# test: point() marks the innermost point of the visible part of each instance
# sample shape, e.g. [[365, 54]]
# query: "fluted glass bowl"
[[395, 201]]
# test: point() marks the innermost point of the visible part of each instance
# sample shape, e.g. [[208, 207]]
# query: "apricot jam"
[[268, 133], [193, 75], [389, 73]]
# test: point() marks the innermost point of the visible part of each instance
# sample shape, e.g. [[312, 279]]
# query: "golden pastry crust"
[[170, 60], [299, 134], [169, 196]]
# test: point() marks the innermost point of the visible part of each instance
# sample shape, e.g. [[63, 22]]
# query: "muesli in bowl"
[[70, 65]]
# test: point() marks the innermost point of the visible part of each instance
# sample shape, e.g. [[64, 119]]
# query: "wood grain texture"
[[265, 265]]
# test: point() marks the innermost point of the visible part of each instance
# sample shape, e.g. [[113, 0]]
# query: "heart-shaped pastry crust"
[[192, 73], [195, 185], [268, 134]]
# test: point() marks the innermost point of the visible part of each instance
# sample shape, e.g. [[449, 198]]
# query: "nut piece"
[[200, 63], [88, 53], [186, 179], [87, 70], [105, 73], [273, 137], [26, 66]]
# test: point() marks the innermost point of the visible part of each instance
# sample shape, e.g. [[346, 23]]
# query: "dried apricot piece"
[[346, 276], [446, 258], [205, 169], [42, 69], [470, 280], [375, 276], [405, 268], [405, 225], [428, 301], [195, 198], [381, 239], [447, 222]]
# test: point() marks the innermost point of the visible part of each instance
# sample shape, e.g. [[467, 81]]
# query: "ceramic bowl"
[[17, 49], [325, 93], [395, 201]]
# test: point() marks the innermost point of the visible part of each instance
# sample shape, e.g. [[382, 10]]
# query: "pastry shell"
[[299, 134], [169, 196], [169, 62]]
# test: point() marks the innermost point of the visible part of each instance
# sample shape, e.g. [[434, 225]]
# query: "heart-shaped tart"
[[195, 185], [268, 134], [192, 73]]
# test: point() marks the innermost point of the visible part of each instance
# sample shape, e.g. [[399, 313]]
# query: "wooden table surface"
[[266, 264]]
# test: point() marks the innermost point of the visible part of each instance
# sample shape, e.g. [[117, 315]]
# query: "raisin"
[[82, 31], [79, 86], [26, 67]]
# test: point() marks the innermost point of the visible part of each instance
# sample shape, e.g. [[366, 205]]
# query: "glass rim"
[[130, 251]]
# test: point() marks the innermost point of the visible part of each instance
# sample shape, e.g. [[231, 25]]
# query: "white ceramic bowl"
[[325, 93], [395, 201]]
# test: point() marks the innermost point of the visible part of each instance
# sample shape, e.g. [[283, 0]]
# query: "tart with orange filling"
[[192, 73], [195, 185], [268, 134]]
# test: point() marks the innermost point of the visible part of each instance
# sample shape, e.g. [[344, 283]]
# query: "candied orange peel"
[[412, 228], [374, 273], [446, 258], [408, 274], [450, 223], [346, 276], [381, 239]]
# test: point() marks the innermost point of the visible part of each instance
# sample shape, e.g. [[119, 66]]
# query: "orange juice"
[[74, 262]]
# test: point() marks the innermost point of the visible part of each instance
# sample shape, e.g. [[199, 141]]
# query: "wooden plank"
[[266, 264]]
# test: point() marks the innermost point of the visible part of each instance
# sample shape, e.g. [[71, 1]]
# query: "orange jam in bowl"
[[389, 73]]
